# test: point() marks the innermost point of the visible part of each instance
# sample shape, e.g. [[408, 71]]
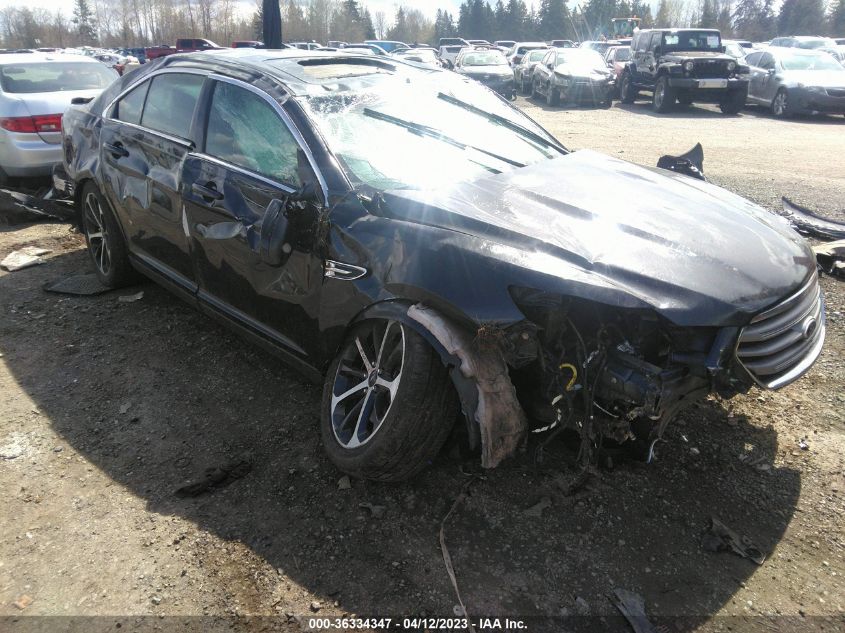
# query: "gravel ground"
[[107, 407]]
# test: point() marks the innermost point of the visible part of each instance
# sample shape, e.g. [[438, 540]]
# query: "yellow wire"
[[574, 375]]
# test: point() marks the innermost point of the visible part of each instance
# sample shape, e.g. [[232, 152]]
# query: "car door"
[[145, 138], [541, 71], [755, 79], [768, 79], [648, 69], [237, 190]]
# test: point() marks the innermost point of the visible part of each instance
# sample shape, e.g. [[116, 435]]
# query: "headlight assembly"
[[688, 66], [731, 66]]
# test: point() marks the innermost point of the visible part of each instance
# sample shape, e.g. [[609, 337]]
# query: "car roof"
[[680, 30], [303, 72]]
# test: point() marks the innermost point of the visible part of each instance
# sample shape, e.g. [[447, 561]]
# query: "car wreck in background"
[[485, 268]]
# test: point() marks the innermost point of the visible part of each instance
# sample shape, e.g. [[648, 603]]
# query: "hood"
[[695, 253], [823, 78], [580, 70], [684, 55], [480, 71]]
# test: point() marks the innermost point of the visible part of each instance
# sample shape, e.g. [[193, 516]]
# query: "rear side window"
[[245, 130], [129, 108], [170, 103], [753, 59]]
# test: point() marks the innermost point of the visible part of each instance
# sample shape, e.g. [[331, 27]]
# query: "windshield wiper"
[[424, 130], [496, 118]]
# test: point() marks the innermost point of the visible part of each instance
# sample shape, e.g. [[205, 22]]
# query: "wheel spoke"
[[352, 390], [383, 343], [367, 364], [98, 235], [391, 385], [363, 416]]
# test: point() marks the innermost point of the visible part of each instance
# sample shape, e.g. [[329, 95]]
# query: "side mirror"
[[274, 248], [770, 71]]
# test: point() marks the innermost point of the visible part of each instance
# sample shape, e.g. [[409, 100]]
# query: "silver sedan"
[[35, 91], [793, 81]]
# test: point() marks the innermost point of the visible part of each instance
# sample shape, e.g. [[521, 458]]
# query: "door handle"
[[208, 191], [116, 149]]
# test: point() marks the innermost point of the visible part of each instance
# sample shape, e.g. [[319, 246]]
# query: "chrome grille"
[[780, 344]]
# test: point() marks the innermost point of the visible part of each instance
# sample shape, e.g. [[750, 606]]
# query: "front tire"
[[552, 96], [664, 96], [733, 102], [388, 403], [535, 94], [627, 94], [780, 104], [104, 240]]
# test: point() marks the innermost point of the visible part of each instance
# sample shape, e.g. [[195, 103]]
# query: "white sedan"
[[35, 91]]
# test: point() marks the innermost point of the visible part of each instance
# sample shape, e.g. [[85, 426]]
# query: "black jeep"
[[685, 65]]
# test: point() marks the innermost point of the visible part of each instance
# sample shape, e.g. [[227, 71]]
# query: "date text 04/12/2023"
[[417, 624]]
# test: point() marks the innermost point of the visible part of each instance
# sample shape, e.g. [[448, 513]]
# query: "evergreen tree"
[[709, 15], [554, 18], [836, 22], [369, 28], [801, 17], [86, 26], [661, 20]]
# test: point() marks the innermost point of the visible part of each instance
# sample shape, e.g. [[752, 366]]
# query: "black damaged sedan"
[[426, 250]]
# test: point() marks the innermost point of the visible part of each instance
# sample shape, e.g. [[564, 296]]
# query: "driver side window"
[[767, 62], [244, 130]]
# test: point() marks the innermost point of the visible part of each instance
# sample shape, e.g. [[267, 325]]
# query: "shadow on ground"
[[152, 393]]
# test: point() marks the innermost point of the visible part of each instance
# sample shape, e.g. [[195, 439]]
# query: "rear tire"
[[104, 240], [407, 399], [664, 96]]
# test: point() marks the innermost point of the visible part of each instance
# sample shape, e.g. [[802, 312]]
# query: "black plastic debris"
[[810, 223], [690, 164], [82, 285], [720, 538], [22, 208], [831, 257], [632, 606]]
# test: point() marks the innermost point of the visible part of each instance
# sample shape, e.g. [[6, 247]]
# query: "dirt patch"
[[109, 407]]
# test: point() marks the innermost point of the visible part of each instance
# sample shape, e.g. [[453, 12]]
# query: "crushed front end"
[[623, 375]]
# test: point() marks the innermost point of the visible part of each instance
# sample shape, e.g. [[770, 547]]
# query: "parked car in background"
[[137, 52], [452, 41], [279, 212], [735, 49], [360, 47], [183, 45], [388, 46], [792, 81], [489, 67], [810, 42], [450, 53], [335, 44], [523, 72], [479, 43], [617, 57], [507, 44], [562, 44], [35, 91], [247, 44], [520, 48], [600, 46], [683, 65], [575, 75], [428, 56], [304, 46], [120, 63]]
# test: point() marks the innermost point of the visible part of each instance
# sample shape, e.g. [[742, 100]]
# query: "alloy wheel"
[[780, 104], [366, 382], [97, 234]]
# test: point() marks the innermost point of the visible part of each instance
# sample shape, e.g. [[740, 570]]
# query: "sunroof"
[[321, 69]]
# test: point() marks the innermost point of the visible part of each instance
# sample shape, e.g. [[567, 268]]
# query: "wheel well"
[[77, 200]]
